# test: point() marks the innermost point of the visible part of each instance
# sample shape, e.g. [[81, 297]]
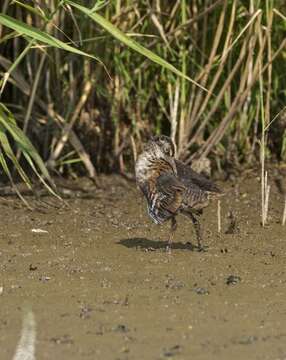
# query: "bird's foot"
[[198, 248], [192, 247]]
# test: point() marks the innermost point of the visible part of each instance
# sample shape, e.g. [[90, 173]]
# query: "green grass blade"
[[8, 122], [31, 163], [14, 65], [10, 154], [9, 36], [39, 35], [30, 8], [119, 35], [7, 172]]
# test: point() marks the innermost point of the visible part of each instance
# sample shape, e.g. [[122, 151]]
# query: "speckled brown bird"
[[171, 187]]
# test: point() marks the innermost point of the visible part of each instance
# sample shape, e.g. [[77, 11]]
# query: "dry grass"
[[82, 119]]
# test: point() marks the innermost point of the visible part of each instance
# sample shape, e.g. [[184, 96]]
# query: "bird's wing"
[[190, 178], [170, 194]]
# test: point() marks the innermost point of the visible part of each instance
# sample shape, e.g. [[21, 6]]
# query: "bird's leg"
[[198, 229], [171, 235]]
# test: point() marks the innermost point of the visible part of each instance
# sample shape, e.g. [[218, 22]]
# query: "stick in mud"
[[284, 213], [267, 202], [218, 216]]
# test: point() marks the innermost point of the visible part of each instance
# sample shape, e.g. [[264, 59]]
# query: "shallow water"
[[100, 285]]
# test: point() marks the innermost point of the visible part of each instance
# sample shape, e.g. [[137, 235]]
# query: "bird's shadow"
[[152, 245]]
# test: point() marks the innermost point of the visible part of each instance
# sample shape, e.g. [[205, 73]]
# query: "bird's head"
[[158, 147], [161, 143]]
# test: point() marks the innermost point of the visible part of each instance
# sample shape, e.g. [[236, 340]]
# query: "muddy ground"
[[101, 286]]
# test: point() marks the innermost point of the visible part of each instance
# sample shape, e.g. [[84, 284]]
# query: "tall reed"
[[91, 84]]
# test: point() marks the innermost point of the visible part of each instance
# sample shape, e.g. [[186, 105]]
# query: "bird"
[[171, 187]]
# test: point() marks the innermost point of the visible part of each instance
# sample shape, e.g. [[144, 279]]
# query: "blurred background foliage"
[[91, 114]]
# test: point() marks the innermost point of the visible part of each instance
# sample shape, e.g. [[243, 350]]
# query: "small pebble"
[[201, 291], [174, 350], [33, 267], [121, 328], [233, 280]]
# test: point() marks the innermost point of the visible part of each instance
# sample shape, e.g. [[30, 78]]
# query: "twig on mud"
[[267, 202], [265, 198], [284, 213], [219, 216]]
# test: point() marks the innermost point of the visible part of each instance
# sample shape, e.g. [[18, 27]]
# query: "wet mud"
[[100, 285]]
